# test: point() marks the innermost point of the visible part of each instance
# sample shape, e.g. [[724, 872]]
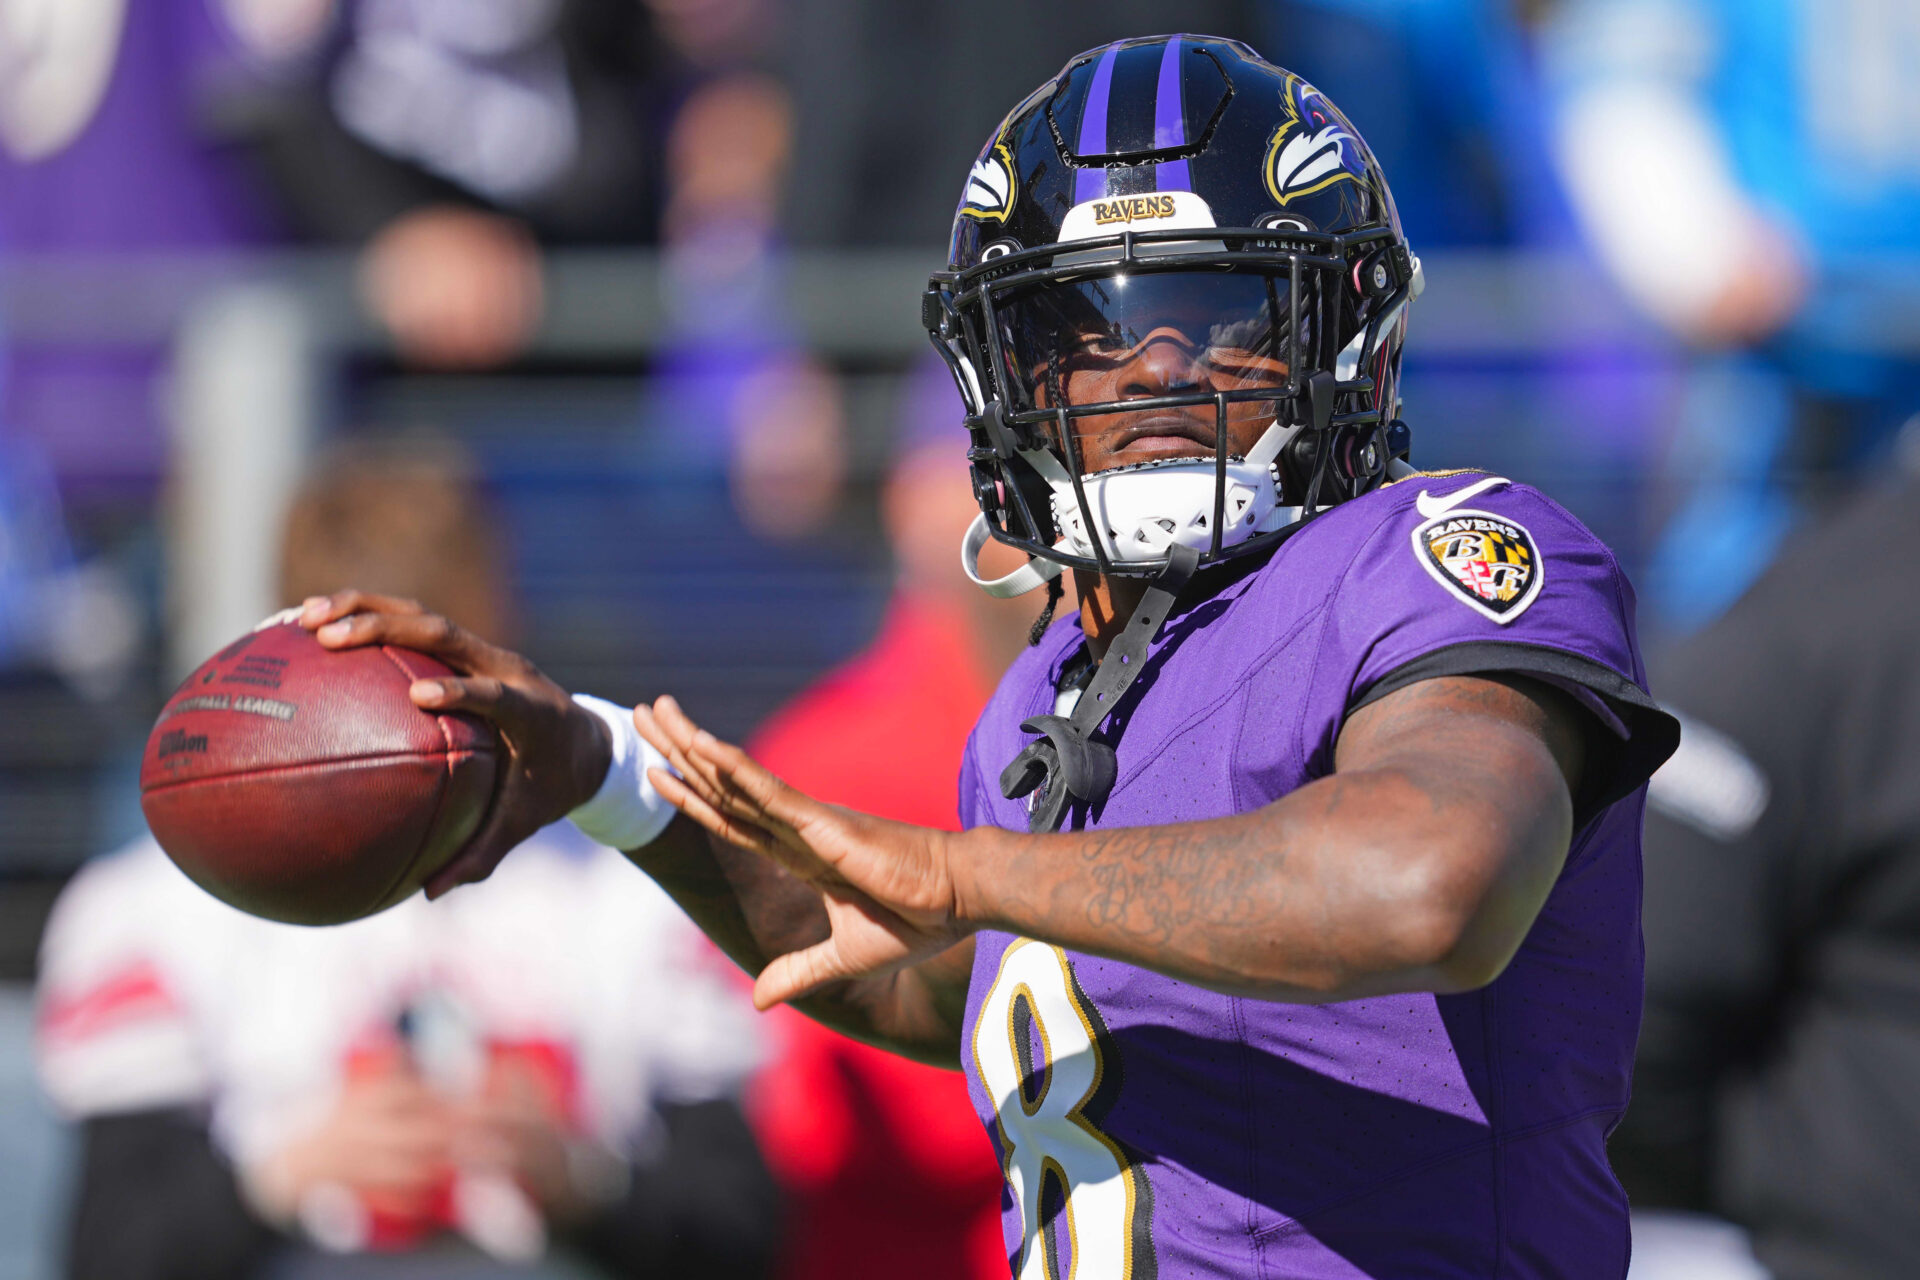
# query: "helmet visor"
[[1124, 337]]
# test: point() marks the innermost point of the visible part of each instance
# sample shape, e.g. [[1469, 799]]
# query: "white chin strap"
[[1143, 510], [1034, 573]]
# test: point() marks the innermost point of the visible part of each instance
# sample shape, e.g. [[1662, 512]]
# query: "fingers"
[[725, 776], [743, 776], [349, 619], [681, 734], [704, 793], [686, 780], [673, 734], [507, 707], [799, 973], [318, 610], [657, 736], [424, 632], [486, 696], [745, 835]]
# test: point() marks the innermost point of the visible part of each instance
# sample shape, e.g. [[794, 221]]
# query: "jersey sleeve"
[[114, 1029], [1475, 575], [973, 808]]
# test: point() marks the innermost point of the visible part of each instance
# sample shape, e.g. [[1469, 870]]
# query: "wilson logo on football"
[[1490, 561]]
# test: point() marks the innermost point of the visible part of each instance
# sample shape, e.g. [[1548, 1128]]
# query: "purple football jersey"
[[1149, 1127]]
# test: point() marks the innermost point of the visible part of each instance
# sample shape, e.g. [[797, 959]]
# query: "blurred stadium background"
[[658, 271]]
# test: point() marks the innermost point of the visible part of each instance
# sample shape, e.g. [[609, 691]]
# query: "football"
[[301, 784]]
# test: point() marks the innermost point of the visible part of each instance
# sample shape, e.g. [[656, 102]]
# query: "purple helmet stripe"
[[1091, 184], [1169, 121]]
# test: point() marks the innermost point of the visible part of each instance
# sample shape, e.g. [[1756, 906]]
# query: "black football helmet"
[[1173, 185]]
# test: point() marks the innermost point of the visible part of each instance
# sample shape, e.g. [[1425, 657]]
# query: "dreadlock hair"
[[1055, 588], [1045, 620]]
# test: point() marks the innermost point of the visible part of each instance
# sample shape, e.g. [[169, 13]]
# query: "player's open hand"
[[556, 753], [886, 887]]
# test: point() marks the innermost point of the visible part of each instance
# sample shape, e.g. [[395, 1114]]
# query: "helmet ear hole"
[[1360, 455], [1373, 275]]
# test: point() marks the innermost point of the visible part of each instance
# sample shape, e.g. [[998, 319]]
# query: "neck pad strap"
[[1067, 763]]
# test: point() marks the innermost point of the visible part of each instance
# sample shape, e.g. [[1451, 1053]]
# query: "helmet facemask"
[[1157, 388]]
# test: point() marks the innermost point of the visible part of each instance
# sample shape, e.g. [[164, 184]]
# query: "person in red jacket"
[[885, 1167]]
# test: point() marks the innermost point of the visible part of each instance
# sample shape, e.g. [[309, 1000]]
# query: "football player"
[[1295, 931]]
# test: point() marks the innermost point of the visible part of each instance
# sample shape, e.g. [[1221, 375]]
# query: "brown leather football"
[[300, 783]]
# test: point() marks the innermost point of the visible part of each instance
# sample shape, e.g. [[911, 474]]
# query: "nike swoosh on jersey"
[[1432, 507]]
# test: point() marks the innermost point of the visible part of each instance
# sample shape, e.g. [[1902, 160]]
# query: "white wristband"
[[626, 812]]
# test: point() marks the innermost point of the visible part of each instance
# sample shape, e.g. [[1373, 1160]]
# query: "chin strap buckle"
[[1066, 763], [1001, 435], [1062, 765]]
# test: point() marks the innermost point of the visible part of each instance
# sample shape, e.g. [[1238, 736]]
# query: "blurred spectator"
[[545, 1059], [1775, 1079], [453, 138], [1751, 175], [716, 35], [789, 463], [727, 155], [457, 289], [886, 1175], [773, 411]]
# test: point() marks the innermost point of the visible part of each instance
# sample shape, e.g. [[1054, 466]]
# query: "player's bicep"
[[1497, 758], [1472, 725], [1476, 778]]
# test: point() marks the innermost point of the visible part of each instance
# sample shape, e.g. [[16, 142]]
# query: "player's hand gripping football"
[[887, 886], [556, 754]]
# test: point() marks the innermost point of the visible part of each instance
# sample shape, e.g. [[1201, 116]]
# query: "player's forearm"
[[1359, 884], [753, 911]]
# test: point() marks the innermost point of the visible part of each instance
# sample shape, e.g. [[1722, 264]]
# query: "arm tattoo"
[[1447, 778]]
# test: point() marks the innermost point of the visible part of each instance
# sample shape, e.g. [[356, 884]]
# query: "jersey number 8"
[[1038, 1054]]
